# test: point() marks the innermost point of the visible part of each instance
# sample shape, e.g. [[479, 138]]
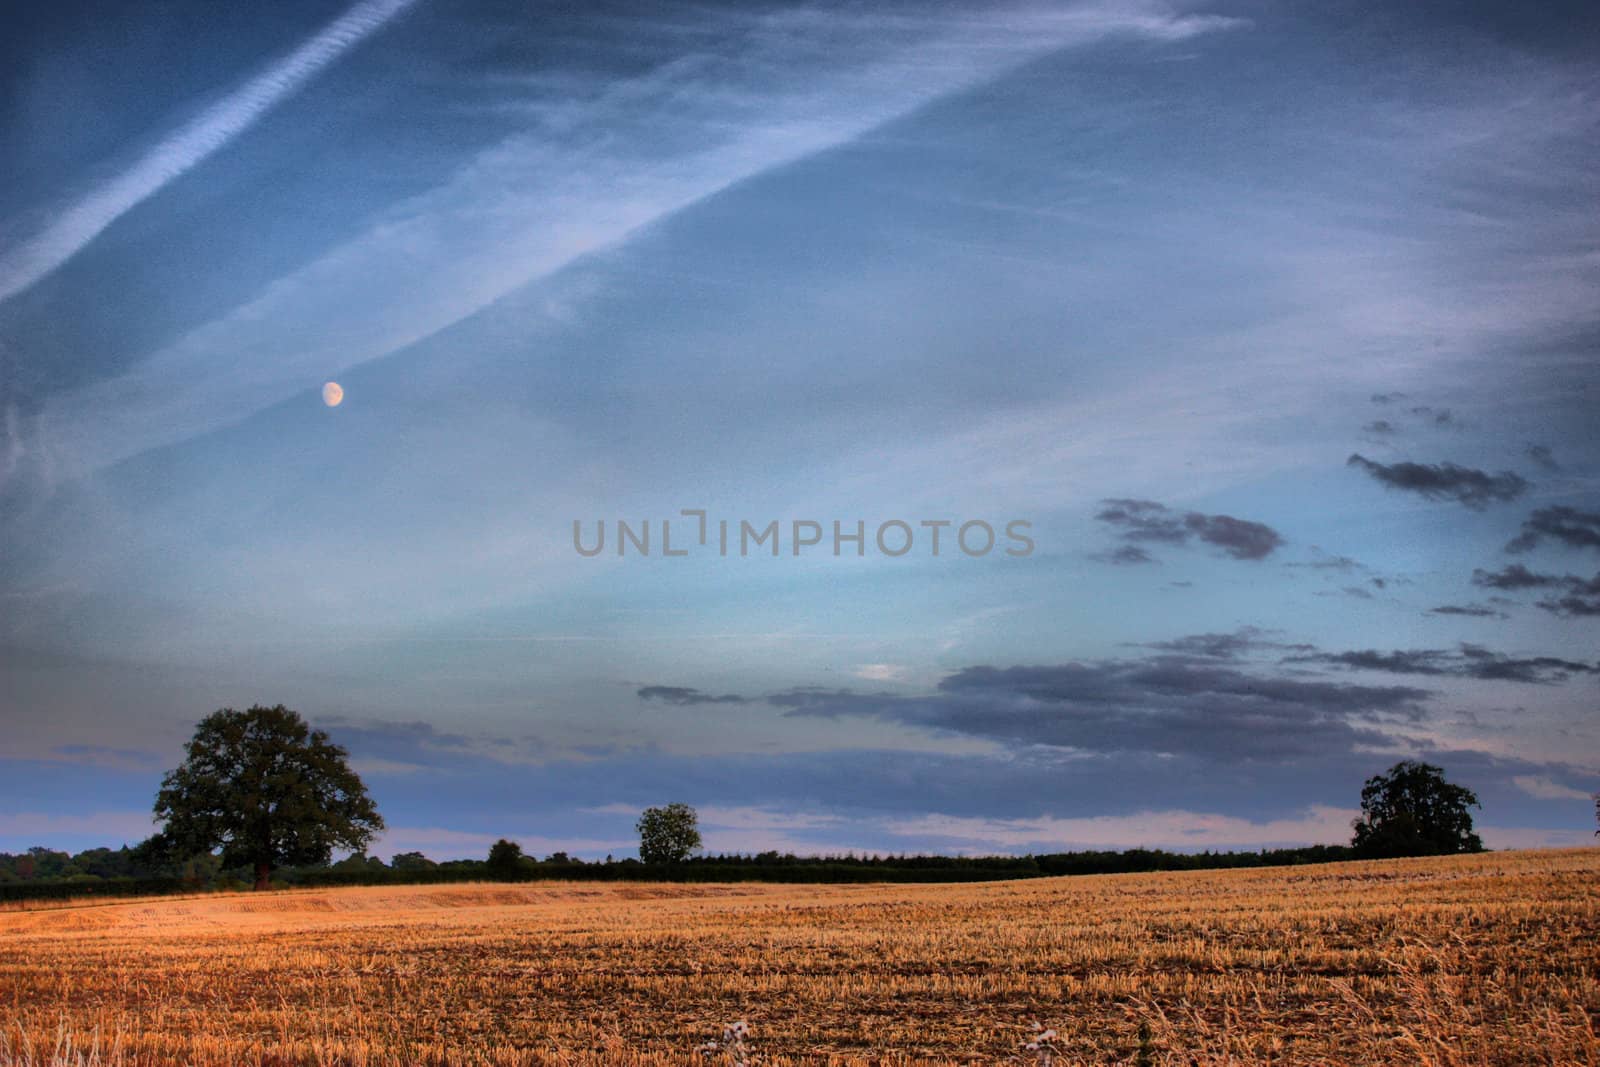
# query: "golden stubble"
[[1480, 960]]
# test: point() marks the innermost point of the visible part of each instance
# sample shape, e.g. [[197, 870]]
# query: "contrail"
[[80, 223], [531, 205]]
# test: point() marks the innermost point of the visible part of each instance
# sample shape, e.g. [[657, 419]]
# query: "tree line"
[[261, 799], [47, 873]]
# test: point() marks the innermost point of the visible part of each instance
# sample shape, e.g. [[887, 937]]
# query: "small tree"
[[668, 835], [1411, 810], [265, 789], [505, 858]]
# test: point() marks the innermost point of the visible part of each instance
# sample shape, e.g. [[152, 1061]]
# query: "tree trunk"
[[263, 875]]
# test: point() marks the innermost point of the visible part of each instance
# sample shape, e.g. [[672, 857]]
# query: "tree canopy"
[[265, 789], [668, 835], [505, 857], [1411, 810]]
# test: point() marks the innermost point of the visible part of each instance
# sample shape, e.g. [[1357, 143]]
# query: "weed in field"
[[733, 1048], [1041, 1046]]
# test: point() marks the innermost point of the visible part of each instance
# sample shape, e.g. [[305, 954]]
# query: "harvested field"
[[1487, 959]]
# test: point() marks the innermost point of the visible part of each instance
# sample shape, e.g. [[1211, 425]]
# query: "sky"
[[1263, 338]]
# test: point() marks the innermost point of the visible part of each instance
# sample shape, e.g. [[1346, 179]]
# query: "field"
[[1491, 959]]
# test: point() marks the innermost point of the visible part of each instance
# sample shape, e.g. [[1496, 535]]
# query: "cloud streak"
[[73, 228], [1471, 661], [684, 696]]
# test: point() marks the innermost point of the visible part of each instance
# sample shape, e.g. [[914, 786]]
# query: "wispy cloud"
[[571, 186], [83, 221], [1545, 787], [104, 826], [1173, 829], [440, 843], [754, 829]]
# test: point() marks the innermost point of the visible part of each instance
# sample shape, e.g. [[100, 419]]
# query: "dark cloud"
[[1573, 528], [420, 745], [1240, 538], [1572, 607], [1440, 416], [1146, 520], [1169, 704], [1515, 576], [1445, 481], [1542, 455], [415, 734], [1210, 696], [1581, 600], [1387, 398], [1124, 556], [1381, 427], [1469, 661], [1331, 563], [408, 742], [1424, 662], [1538, 670], [1241, 642], [1477, 611], [684, 696], [1579, 597]]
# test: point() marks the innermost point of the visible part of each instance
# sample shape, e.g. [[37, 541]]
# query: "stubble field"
[[1468, 960]]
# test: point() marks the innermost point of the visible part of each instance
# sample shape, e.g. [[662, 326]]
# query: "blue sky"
[[1148, 277]]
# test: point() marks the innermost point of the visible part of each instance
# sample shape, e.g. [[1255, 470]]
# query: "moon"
[[332, 394]]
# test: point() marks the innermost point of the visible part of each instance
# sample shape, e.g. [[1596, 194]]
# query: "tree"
[[1411, 810], [668, 835], [505, 857], [267, 790]]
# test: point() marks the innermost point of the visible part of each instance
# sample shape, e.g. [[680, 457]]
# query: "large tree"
[[267, 790], [669, 834], [1410, 810]]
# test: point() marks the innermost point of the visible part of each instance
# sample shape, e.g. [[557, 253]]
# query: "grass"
[[1474, 960]]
